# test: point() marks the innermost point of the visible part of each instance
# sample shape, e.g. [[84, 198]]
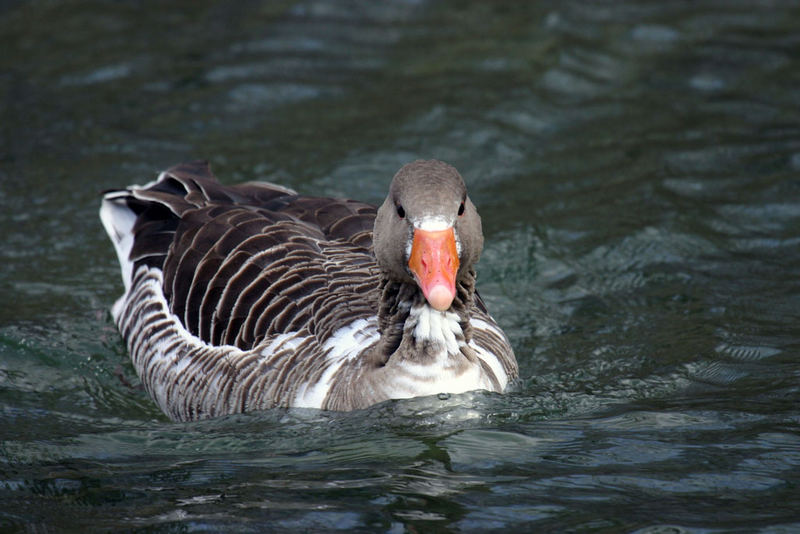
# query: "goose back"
[[244, 262]]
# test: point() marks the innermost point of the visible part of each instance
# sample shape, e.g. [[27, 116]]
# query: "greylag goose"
[[248, 297]]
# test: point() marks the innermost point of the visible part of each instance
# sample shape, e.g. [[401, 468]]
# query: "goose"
[[251, 296]]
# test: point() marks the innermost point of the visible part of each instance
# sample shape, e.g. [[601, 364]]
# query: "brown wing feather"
[[247, 261]]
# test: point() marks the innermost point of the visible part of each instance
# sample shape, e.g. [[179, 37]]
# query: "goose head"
[[427, 231]]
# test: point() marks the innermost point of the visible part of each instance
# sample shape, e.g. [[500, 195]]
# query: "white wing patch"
[[344, 345]]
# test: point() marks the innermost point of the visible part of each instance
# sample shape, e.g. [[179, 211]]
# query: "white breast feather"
[[440, 327], [441, 375]]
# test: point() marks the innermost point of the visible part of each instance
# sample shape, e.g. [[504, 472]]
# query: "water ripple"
[[635, 165]]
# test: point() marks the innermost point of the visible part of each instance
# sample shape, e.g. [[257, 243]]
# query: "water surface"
[[637, 168]]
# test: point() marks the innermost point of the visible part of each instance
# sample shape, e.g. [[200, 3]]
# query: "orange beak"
[[434, 262]]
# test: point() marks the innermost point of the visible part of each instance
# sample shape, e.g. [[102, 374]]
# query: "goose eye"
[[400, 211], [461, 210]]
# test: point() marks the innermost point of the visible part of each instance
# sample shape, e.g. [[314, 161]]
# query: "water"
[[637, 167]]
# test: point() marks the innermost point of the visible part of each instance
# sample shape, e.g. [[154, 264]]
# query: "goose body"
[[250, 296]]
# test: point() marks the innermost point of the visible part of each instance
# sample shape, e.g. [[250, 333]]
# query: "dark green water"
[[637, 167]]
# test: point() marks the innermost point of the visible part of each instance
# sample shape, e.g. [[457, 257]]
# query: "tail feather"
[[119, 220], [141, 221]]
